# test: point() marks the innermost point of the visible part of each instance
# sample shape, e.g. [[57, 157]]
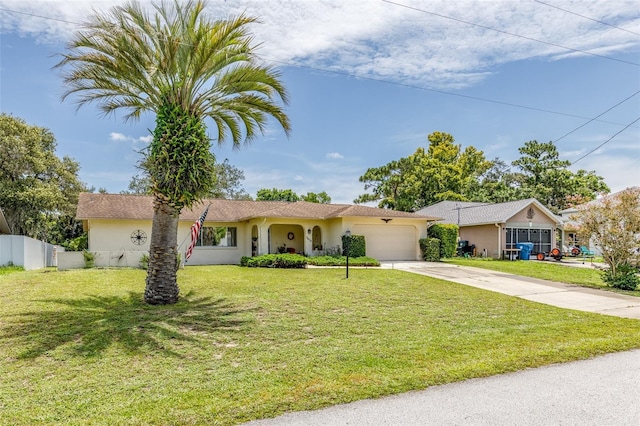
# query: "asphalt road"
[[599, 391]]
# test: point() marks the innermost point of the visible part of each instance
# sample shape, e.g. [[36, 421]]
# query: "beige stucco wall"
[[492, 238], [485, 237], [115, 235], [420, 226], [216, 255], [112, 238], [539, 220]]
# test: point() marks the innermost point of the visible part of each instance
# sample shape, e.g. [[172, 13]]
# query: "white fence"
[[27, 252]]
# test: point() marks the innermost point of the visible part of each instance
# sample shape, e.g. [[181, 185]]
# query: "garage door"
[[388, 242]]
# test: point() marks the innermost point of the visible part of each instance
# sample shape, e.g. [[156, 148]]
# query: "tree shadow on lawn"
[[87, 327]]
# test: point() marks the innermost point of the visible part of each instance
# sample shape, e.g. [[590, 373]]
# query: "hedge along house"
[[493, 228], [119, 229]]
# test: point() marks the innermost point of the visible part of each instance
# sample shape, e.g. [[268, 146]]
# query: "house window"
[[218, 236], [316, 238]]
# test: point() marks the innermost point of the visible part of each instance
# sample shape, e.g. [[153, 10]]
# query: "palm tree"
[[185, 69]]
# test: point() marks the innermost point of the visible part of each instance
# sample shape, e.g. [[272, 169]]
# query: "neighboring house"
[[571, 235], [119, 226], [23, 251], [493, 228]]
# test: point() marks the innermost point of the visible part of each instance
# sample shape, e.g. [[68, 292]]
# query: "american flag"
[[195, 232]]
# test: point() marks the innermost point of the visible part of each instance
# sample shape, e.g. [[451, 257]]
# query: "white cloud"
[[385, 41], [138, 143], [119, 137], [335, 156]]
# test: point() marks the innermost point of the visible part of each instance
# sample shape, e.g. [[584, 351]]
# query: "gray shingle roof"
[[481, 213], [119, 206]]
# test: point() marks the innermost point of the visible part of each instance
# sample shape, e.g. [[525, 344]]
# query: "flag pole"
[[194, 234]]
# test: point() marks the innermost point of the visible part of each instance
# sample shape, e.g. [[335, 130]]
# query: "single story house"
[[119, 226], [571, 235], [493, 228]]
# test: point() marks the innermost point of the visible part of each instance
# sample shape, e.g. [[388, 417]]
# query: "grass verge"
[[80, 347], [548, 270]]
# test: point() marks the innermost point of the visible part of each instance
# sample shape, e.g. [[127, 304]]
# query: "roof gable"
[[120, 206]]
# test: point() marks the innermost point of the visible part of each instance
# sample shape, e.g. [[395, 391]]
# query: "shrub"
[[144, 262], [430, 248], [448, 236], [89, 258], [356, 244], [274, 261], [625, 277], [342, 261], [77, 244]]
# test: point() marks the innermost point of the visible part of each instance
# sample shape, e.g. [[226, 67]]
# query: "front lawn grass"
[[547, 270], [9, 269], [79, 347]]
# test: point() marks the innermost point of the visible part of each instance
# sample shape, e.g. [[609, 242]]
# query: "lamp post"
[[347, 244]]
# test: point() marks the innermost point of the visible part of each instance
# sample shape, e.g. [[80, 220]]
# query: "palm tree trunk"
[[162, 284]]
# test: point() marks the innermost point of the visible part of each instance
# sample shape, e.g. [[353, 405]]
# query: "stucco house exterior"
[[119, 229], [492, 228]]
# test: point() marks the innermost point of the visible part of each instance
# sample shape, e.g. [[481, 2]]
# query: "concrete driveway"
[[547, 292]]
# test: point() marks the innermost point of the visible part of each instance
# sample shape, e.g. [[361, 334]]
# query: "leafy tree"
[[613, 224], [227, 184], [442, 172], [276, 194], [184, 68], [391, 185], [38, 190], [320, 197], [542, 175], [139, 185], [498, 184]]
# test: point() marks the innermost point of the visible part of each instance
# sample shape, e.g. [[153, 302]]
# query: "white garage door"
[[388, 242]]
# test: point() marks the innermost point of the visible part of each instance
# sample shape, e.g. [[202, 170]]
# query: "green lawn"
[[549, 270], [79, 347]]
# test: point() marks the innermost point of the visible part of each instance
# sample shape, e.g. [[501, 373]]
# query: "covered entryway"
[[286, 239], [389, 242]]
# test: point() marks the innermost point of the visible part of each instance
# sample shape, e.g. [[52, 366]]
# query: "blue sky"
[[367, 82]]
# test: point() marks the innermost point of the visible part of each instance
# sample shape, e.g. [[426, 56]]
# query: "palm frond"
[[130, 59]]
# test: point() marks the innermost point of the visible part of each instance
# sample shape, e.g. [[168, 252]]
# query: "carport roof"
[[120, 206], [472, 214]]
